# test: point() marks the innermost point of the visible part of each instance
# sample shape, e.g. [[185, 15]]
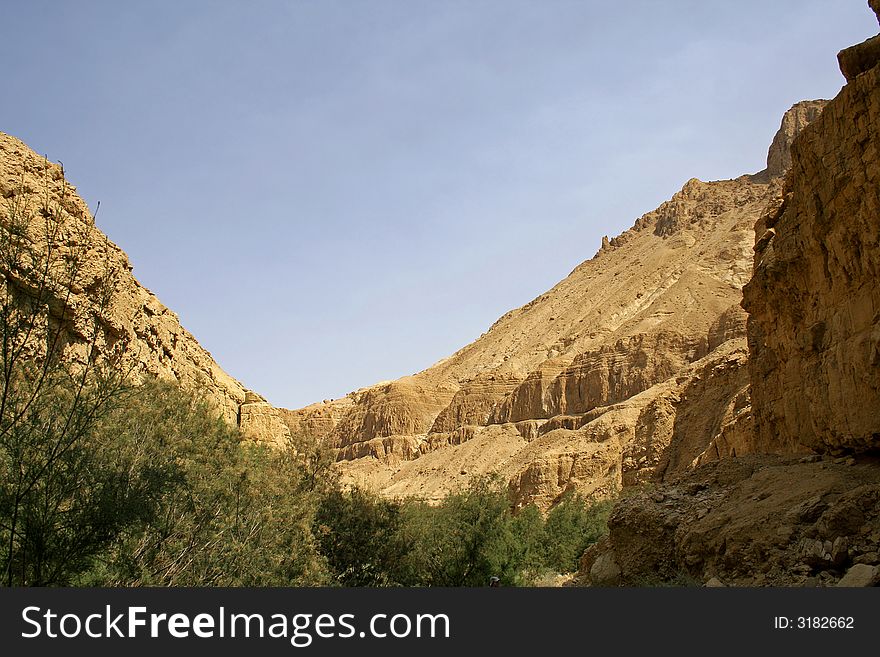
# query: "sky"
[[333, 193]]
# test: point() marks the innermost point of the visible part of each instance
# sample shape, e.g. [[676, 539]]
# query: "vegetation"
[[215, 512], [468, 538]]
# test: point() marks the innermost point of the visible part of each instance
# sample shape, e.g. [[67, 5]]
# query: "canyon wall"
[[770, 518], [814, 301]]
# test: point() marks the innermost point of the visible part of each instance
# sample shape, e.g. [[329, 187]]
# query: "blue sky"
[[334, 193]]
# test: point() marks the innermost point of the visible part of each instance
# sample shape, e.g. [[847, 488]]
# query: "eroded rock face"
[[814, 351], [261, 422], [608, 375], [814, 301], [315, 421], [148, 335], [397, 408]]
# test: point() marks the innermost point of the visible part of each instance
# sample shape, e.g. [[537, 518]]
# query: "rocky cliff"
[[814, 301], [131, 321], [814, 351], [599, 383]]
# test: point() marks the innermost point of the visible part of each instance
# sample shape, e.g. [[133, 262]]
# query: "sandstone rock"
[[629, 332], [860, 575], [869, 558], [860, 58], [793, 122], [474, 402], [318, 420], [730, 325], [397, 408], [589, 557], [632, 369], [262, 423], [598, 378], [761, 523]]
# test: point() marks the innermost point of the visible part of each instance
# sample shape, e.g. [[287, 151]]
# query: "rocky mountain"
[[814, 351], [132, 321], [599, 383]]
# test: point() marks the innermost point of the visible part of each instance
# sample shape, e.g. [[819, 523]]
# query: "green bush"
[[466, 539], [360, 536], [225, 514], [570, 528]]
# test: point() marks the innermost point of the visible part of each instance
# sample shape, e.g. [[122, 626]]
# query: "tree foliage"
[[61, 501], [106, 482], [466, 539]]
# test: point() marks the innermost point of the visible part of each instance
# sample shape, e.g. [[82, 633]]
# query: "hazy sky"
[[333, 193]]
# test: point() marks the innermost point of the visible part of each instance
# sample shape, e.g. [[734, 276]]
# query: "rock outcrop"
[[131, 322], [750, 521], [794, 121]]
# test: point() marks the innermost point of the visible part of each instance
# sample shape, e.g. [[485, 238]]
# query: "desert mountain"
[[598, 383], [601, 382]]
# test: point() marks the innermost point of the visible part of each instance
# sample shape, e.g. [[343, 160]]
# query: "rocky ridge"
[[581, 388]]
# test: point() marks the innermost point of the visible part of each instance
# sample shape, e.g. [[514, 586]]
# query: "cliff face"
[[814, 371], [601, 382], [133, 321], [814, 301]]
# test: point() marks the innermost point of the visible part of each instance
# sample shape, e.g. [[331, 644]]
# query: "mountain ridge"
[[651, 301]]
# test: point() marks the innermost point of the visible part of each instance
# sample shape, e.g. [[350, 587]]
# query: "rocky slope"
[[596, 384], [814, 342], [133, 321], [750, 521]]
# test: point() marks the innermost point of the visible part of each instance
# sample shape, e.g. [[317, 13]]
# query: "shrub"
[[570, 528], [360, 536], [226, 513]]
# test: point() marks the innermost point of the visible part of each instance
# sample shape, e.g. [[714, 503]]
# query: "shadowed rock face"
[[862, 57], [751, 521], [814, 301], [605, 380]]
